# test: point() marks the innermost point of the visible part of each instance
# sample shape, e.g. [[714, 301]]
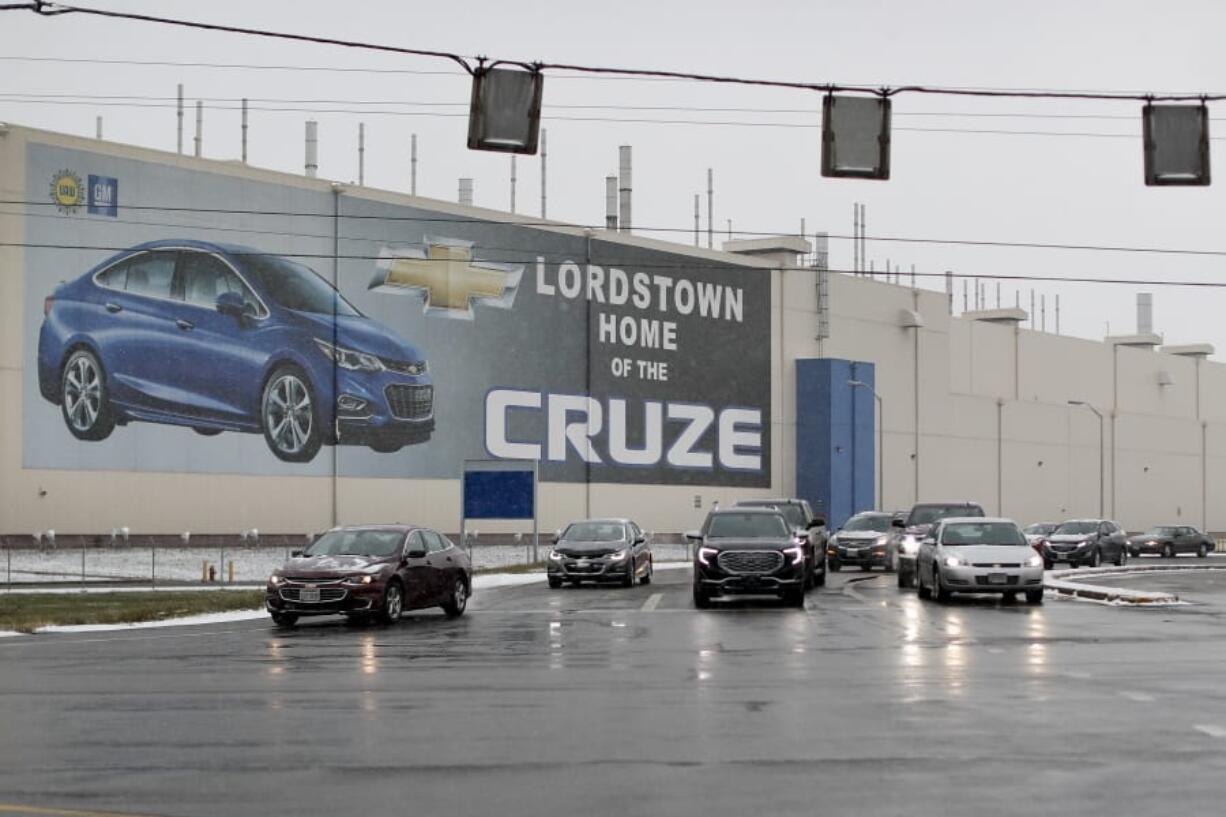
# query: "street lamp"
[[1102, 469], [858, 384]]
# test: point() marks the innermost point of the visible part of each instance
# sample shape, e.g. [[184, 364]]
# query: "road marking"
[[652, 602], [1210, 729], [13, 808], [1139, 697]]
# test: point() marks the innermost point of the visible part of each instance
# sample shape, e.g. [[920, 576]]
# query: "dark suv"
[[906, 534], [748, 551], [1088, 542], [810, 527]]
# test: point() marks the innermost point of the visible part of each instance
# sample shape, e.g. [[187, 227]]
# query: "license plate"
[[581, 563], [308, 594], [998, 578], [853, 551]]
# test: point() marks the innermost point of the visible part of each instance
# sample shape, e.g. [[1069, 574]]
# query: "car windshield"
[[595, 532], [868, 521], [982, 533], [1039, 528], [1160, 531], [356, 543], [1076, 528], [295, 286], [927, 514], [747, 526], [794, 514]]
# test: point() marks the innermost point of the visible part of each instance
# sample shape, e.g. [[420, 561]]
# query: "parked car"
[[600, 550], [749, 551], [1035, 533], [978, 555], [371, 571], [861, 541], [809, 526], [906, 534], [1088, 542], [1170, 541], [218, 338]]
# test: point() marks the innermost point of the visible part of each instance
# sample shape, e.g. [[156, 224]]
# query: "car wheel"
[[1048, 564], [1034, 596], [1201, 551], [457, 602], [285, 619], [938, 588], [702, 599], [629, 580], [386, 446], [1136, 554], [795, 598], [1096, 558], [393, 603], [920, 590], [819, 579], [908, 578], [1168, 551], [554, 583], [1010, 597], [83, 398], [290, 418], [651, 568], [206, 432], [865, 567], [835, 566], [1122, 558]]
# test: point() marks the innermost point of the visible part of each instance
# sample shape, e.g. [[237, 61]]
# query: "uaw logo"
[[67, 191], [444, 275]]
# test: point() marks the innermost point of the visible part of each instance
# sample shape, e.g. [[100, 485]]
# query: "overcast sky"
[[948, 183]]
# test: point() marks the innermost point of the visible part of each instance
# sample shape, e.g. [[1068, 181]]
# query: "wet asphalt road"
[[630, 702]]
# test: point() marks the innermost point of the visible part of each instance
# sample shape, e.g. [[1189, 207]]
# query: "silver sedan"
[[978, 555]]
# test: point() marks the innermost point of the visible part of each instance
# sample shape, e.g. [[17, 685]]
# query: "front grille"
[[994, 564], [326, 594], [410, 402], [745, 562], [983, 580]]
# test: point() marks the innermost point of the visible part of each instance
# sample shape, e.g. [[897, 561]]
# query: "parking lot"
[[630, 701]]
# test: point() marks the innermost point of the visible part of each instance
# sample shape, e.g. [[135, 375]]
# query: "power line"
[[636, 263], [50, 9]]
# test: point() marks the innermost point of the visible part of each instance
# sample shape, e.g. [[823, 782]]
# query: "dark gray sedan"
[[600, 550]]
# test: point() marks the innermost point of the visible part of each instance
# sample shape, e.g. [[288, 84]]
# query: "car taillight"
[[47, 303]]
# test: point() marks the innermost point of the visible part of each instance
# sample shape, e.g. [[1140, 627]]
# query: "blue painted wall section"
[[836, 456]]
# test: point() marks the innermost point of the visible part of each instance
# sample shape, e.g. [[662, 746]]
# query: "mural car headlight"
[[350, 359]]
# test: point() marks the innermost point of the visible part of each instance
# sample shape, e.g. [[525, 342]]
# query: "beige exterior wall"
[[972, 411]]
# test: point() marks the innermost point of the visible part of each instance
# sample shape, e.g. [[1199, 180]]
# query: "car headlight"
[[832, 540], [365, 578], [553, 554], [275, 580], [618, 556], [910, 544], [797, 553], [883, 539], [1035, 561], [954, 561], [349, 359], [705, 553]]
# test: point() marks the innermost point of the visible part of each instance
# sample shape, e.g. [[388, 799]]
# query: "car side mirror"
[[897, 523], [693, 535], [818, 522], [638, 540], [231, 303]]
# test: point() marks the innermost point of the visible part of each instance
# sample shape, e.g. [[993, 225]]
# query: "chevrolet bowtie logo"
[[445, 276]]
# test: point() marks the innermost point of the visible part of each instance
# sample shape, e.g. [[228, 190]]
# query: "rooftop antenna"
[[913, 284], [1032, 312], [244, 130], [413, 165], [710, 208], [98, 127], [513, 182], [466, 191], [625, 189], [361, 154], [697, 225], [998, 294], [180, 117], [949, 290], [610, 203], [199, 126], [965, 286], [1043, 312], [1145, 313], [1057, 314], [855, 238], [312, 148], [544, 161]]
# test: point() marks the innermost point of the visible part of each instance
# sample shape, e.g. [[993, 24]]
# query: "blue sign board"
[[103, 196], [499, 495]]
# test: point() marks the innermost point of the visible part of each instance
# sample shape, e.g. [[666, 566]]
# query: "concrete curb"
[[1056, 580]]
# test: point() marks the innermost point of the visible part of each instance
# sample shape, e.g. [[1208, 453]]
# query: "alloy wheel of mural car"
[[85, 405], [289, 417]]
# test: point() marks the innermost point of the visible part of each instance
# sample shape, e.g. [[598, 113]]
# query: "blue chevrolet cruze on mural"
[[217, 338]]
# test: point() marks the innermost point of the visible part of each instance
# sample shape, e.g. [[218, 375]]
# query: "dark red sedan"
[[371, 571]]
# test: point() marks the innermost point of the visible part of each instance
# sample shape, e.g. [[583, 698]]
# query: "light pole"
[[858, 384], [1102, 468]]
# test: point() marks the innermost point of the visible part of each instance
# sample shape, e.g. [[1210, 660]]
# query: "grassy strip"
[[27, 612], [534, 567]]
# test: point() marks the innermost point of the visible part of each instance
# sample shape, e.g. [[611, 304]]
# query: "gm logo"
[[103, 196], [443, 274]]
